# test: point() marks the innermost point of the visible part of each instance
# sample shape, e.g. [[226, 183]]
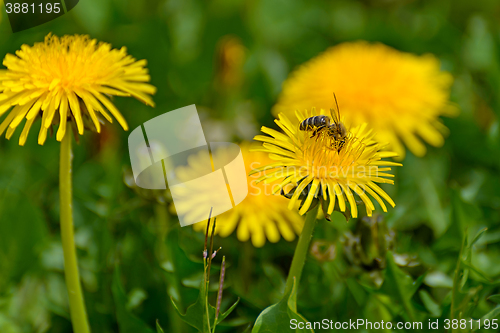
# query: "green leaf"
[[400, 286], [277, 317], [357, 291], [127, 321], [223, 315], [495, 298], [495, 313], [438, 279], [418, 282], [430, 304], [460, 220], [476, 238], [196, 314], [467, 260], [158, 327], [430, 193], [456, 296], [275, 276], [475, 270], [489, 316]]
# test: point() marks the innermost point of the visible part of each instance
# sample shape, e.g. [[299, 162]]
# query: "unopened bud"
[[221, 285], [215, 252]]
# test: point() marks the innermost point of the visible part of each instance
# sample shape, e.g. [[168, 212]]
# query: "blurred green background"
[[452, 192]]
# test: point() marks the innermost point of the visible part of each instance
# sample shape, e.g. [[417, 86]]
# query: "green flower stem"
[[76, 301], [299, 257]]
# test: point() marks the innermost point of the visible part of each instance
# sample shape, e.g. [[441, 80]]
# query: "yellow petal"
[[310, 197], [110, 106], [42, 136], [350, 198], [331, 195], [75, 110], [63, 112], [368, 203], [384, 195], [25, 132], [20, 116], [9, 118], [340, 196], [298, 191]]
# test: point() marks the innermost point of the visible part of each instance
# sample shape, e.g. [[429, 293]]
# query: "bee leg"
[[316, 131], [341, 144]]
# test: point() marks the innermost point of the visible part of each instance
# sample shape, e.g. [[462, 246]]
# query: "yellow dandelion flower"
[[400, 95], [68, 78], [261, 215], [312, 168]]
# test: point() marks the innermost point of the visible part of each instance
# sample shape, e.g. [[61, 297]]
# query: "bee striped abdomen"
[[314, 122]]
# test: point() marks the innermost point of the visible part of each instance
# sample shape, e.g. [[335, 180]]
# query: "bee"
[[333, 128]]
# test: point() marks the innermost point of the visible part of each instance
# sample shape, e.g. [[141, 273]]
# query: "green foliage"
[[127, 322], [447, 214], [201, 314], [158, 328], [400, 286], [278, 316]]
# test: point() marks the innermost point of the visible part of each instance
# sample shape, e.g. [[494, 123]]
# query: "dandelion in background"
[[68, 80], [400, 95], [260, 217]]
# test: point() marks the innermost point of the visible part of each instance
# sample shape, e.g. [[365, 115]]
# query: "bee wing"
[[335, 116]]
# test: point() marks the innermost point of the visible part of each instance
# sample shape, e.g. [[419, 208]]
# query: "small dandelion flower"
[[311, 168], [261, 216], [68, 79], [400, 95]]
